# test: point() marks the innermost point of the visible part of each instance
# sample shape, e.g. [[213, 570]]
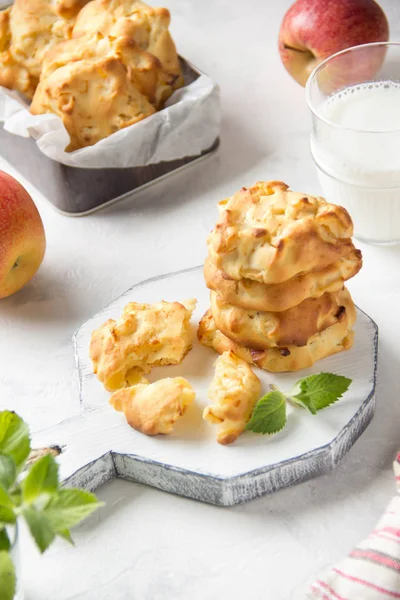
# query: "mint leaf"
[[6, 508], [14, 438], [7, 577], [41, 479], [4, 540], [319, 391], [7, 516], [66, 535], [269, 414], [69, 507], [16, 496], [295, 402], [8, 471], [5, 498], [39, 526]]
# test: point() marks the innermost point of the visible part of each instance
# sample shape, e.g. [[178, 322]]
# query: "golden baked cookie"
[[94, 98], [143, 69], [5, 33], [331, 340], [12, 74], [145, 336], [233, 391], [147, 26], [294, 326], [135, 376], [154, 408], [34, 27], [68, 9], [277, 297], [270, 234]]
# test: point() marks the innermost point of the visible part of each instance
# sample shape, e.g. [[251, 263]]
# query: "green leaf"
[[269, 414], [8, 580], [4, 541], [5, 498], [6, 508], [16, 496], [8, 472], [7, 516], [66, 535], [69, 507], [319, 391], [42, 478], [14, 438], [295, 402], [39, 526]]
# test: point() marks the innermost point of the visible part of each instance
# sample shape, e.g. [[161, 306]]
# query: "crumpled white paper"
[[188, 125]]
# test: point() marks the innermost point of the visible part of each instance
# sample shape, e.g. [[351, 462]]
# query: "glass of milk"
[[354, 97]]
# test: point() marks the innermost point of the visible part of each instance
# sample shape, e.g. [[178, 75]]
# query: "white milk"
[[356, 145]]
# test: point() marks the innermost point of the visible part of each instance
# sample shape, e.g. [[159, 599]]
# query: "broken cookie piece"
[[154, 408], [234, 392], [145, 336]]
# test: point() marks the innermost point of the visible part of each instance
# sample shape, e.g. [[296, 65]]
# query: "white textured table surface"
[[146, 544]]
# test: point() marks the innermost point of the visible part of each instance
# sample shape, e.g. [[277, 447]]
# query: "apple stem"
[[305, 51]]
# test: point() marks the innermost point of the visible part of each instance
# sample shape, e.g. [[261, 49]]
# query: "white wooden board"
[[99, 444]]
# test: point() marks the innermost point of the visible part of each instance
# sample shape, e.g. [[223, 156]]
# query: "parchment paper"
[[189, 124]]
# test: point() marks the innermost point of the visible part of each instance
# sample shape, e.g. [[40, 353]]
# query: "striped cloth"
[[372, 570]]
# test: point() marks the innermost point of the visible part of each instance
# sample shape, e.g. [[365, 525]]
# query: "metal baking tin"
[[78, 192]]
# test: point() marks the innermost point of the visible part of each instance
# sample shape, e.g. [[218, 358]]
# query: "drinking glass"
[[355, 137]]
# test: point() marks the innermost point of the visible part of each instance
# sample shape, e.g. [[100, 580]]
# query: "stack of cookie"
[[276, 269]]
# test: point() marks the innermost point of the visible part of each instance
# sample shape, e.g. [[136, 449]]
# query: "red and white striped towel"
[[372, 570]]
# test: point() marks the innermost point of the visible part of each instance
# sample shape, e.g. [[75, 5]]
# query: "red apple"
[[22, 237], [312, 30]]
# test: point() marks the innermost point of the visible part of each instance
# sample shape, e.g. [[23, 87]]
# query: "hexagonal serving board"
[[98, 445]]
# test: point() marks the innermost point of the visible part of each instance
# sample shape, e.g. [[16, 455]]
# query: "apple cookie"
[[111, 100], [154, 408], [234, 392], [145, 336], [33, 27], [294, 326], [277, 297], [270, 234], [333, 339], [147, 27]]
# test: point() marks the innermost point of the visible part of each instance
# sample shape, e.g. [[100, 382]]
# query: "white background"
[[146, 544]]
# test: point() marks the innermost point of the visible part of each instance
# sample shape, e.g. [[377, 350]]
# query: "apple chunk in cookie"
[[234, 392], [154, 408], [145, 336]]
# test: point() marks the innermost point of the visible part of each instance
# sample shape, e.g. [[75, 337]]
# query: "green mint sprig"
[[315, 393], [319, 391], [34, 494], [269, 414]]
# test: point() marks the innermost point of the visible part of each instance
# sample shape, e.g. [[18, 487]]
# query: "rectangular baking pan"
[[77, 192]]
